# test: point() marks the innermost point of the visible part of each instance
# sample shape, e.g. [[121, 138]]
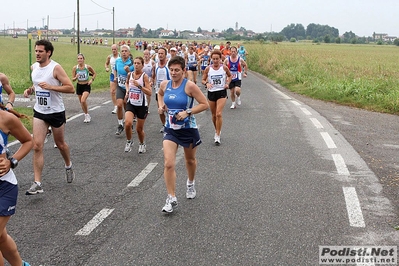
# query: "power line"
[[101, 6], [95, 13]]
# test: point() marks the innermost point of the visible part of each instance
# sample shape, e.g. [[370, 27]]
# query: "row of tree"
[[292, 32]]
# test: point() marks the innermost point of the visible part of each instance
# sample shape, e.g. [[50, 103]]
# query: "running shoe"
[[115, 110], [128, 146], [170, 205], [34, 189], [87, 118], [24, 263], [191, 193], [55, 146], [233, 105], [48, 135], [162, 129], [69, 175], [142, 148], [119, 130], [217, 140], [238, 100], [135, 119]]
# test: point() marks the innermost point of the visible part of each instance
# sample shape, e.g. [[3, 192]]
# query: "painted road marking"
[[93, 223], [296, 103], [340, 165], [305, 111], [143, 174], [353, 207], [316, 123], [328, 140]]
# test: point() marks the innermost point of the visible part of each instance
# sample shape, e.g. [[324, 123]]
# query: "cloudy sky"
[[363, 17]]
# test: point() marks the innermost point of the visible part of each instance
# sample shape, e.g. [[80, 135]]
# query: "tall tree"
[[199, 30], [296, 31], [315, 31], [138, 31]]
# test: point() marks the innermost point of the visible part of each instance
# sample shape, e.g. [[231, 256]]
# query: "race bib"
[[173, 122], [135, 97], [121, 81], [82, 76], [43, 99]]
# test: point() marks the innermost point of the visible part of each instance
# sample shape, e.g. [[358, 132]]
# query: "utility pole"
[[113, 25], [74, 29], [48, 22], [78, 32]]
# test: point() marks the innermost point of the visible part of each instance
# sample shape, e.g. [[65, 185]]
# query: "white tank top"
[[147, 68], [217, 78], [112, 61], [136, 95], [47, 101]]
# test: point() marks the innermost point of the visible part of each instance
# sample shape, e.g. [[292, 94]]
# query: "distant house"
[[384, 37], [390, 38], [379, 36], [16, 32], [166, 33]]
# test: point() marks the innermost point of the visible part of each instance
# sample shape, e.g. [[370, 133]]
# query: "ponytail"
[[13, 112]]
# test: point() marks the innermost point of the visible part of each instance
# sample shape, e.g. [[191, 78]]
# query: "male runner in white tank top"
[[49, 81]]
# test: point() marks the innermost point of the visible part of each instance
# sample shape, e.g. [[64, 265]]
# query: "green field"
[[363, 76], [16, 66]]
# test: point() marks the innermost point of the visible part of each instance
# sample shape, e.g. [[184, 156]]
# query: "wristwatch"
[[13, 162], [188, 111]]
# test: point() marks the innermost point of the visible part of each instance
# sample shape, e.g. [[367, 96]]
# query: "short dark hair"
[[217, 52], [177, 60], [139, 58], [48, 46]]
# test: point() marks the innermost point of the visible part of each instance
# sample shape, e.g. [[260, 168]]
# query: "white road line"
[[107, 102], [305, 111], [316, 123], [143, 174], [93, 223], [74, 117], [340, 165], [328, 140], [285, 96], [353, 207], [296, 103], [94, 108]]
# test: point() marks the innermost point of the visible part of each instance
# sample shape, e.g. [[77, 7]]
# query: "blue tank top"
[[10, 176], [235, 69], [177, 100], [3, 142], [121, 72], [1, 91]]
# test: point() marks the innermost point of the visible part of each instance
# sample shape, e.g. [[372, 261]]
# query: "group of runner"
[[198, 61], [168, 69], [171, 71]]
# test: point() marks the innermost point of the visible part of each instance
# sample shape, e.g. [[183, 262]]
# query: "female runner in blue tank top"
[[10, 125], [176, 97]]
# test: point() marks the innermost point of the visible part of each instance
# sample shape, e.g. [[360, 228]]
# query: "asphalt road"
[[291, 174]]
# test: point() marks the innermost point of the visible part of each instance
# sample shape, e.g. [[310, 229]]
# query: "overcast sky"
[[363, 17]]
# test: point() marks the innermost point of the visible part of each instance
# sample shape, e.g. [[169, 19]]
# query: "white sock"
[[190, 183], [120, 122]]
